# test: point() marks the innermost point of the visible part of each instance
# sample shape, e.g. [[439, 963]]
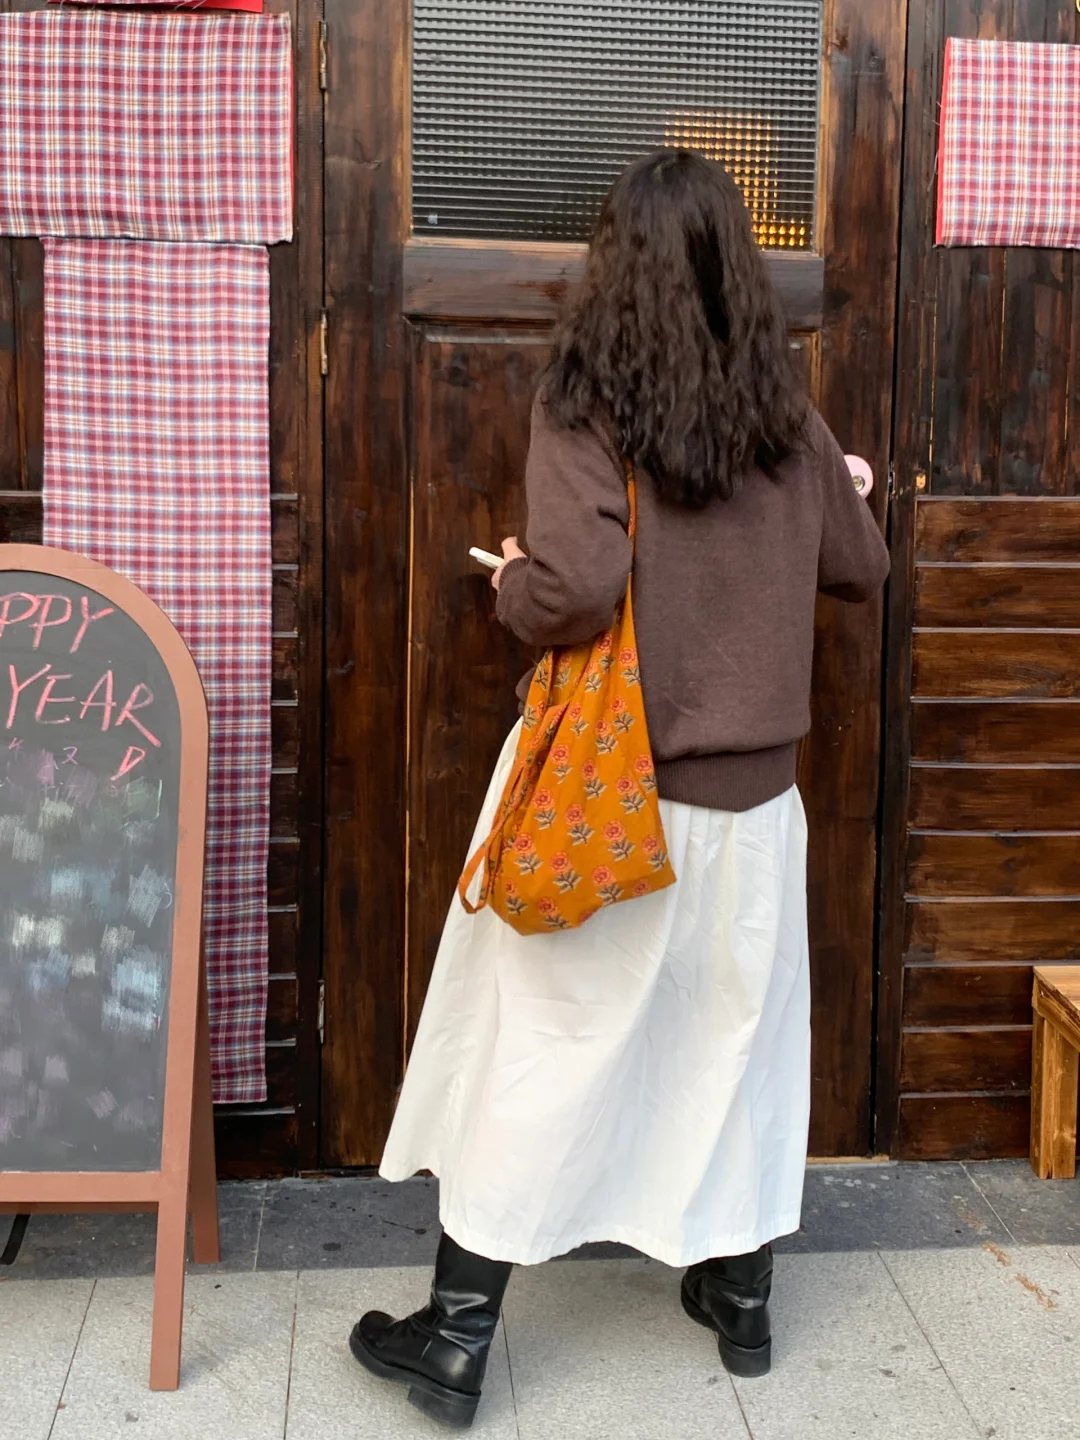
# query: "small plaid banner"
[[157, 464], [158, 127], [1009, 167]]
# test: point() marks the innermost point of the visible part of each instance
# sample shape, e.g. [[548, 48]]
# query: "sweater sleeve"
[[853, 563], [579, 550]]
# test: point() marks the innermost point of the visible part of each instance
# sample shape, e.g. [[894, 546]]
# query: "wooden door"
[[982, 781], [434, 348]]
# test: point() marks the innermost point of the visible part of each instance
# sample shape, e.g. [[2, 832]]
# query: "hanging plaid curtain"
[[156, 464], [157, 127], [1009, 166]]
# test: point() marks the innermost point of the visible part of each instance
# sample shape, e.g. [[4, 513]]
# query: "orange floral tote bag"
[[579, 824]]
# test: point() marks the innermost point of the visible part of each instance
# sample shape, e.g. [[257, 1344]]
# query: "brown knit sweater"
[[723, 598]]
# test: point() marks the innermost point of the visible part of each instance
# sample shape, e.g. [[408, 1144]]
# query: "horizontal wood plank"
[[1004, 930], [284, 530], [285, 667], [254, 1145], [973, 1059], [962, 797], [282, 873], [284, 803], [943, 864], [507, 281], [283, 941], [1002, 733], [1046, 597], [963, 1127], [20, 517], [284, 590], [281, 1074], [942, 994], [281, 1007], [996, 665], [285, 736], [967, 530]]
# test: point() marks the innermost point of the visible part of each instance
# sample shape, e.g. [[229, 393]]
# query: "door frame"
[[378, 280]]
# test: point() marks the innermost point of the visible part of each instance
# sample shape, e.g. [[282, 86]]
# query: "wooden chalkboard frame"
[[186, 1182]]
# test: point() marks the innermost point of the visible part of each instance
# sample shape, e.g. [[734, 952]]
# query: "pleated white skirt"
[[644, 1079]]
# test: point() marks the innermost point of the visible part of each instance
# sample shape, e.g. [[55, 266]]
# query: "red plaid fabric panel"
[[157, 464], [1009, 167], [255, 6], [159, 127]]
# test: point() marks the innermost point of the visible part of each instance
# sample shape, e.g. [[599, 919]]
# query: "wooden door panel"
[[471, 397]]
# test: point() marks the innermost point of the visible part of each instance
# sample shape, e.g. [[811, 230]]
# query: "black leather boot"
[[440, 1352], [731, 1298]]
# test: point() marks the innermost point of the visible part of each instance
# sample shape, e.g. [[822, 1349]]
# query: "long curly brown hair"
[[676, 340]]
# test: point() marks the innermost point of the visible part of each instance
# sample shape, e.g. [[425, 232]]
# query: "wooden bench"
[[1055, 1071]]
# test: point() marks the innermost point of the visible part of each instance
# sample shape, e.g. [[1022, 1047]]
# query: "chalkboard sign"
[[89, 788], [104, 1038]]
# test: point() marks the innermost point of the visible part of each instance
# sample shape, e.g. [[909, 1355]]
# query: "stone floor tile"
[[902, 1207], [1005, 1322], [849, 1362], [602, 1349], [40, 1321], [349, 1223], [1035, 1212], [111, 1245], [234, 1376], [332, 1397]]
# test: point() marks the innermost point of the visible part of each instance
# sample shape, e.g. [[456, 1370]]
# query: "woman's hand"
[[511, 551]]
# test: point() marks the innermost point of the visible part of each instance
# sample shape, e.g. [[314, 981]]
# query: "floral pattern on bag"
[[579, 825]]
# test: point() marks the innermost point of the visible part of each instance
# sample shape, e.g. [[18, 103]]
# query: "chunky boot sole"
[[439, 1402], [747, 1364]]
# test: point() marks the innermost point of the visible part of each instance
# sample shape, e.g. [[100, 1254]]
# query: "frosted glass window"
[[524, 111]]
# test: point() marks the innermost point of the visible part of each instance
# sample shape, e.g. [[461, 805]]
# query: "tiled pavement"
[[938, 1301]]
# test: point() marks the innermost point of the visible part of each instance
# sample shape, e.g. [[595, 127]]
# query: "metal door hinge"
[[322, 1012], [324, 353], [890, 493], [323, 83]]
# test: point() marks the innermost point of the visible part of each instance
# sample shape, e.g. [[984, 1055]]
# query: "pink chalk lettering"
[[107, 706], [6, 617], [136, 703], [134, 757], [48, 698], [43, 623], [70, 751], [87, 621], [17, 690]]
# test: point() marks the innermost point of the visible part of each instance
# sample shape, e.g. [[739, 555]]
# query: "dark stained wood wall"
[[981, 859], [280, 1136]]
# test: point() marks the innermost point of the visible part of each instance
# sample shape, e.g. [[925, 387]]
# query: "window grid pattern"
[[525, 111]]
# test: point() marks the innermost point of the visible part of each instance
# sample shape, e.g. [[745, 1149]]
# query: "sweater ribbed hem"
[[731, 781]]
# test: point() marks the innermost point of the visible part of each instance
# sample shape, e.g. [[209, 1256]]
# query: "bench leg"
[[1054, 1078]]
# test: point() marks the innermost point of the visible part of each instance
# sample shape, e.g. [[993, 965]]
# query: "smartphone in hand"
[[485, 557]]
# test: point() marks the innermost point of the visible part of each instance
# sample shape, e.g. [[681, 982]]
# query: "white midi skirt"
[[643, 1079]]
